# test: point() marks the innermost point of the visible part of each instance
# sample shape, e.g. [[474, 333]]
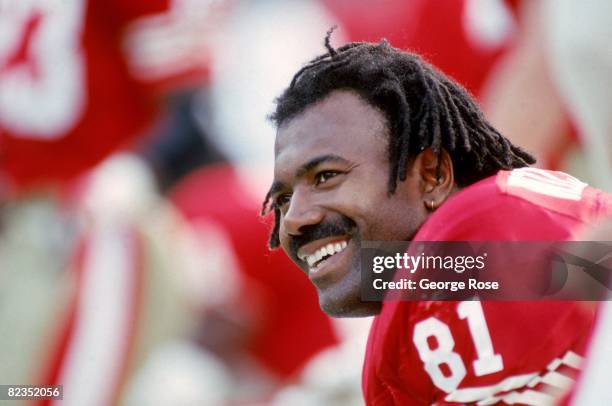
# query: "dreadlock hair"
[[423, 108]]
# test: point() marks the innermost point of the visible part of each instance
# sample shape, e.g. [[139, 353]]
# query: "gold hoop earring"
[[431, 206]]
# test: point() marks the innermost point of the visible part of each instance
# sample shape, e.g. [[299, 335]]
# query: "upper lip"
[[310, 248]]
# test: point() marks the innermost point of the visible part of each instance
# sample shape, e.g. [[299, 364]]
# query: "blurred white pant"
[[578, 35]]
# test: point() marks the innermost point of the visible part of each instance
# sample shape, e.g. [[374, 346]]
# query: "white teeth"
[[324, 252]]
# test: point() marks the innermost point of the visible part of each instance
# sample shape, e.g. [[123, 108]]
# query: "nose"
[[302, 212]]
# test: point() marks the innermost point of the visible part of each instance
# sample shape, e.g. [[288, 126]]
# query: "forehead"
[[341, 124]]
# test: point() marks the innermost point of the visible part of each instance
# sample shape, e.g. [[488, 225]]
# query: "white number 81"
[[487, 362]]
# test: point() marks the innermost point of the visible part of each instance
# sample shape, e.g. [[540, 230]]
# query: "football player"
[[375, 144], [87, 288]]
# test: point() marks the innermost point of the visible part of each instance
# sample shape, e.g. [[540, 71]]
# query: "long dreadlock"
[[423, 109]]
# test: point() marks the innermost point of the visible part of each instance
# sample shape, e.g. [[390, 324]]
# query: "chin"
[[347, 306]]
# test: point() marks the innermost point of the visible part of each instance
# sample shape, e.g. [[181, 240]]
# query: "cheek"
[[284, 241], [390, 221]]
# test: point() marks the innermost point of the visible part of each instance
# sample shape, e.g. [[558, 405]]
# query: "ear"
[[437, 181]]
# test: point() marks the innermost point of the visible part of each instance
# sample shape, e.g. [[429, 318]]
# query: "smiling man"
[[316, 163], [375, 144]]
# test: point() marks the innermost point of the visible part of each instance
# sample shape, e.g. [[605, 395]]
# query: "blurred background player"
[[89, 287], [127, 55]]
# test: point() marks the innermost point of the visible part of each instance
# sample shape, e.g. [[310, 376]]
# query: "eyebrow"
[[314, 162], [305, 168]]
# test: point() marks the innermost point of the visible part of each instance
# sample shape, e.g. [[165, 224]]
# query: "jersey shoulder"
[[522, 204]]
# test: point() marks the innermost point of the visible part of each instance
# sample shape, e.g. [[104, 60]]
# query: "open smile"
[[319, 253]]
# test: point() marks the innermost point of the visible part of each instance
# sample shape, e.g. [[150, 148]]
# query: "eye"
[[324, 176], [282, 199]]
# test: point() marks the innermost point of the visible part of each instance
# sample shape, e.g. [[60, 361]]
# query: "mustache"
[[331, 228]]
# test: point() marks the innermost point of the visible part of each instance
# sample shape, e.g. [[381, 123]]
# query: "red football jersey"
[[81, 78], [424, 353]]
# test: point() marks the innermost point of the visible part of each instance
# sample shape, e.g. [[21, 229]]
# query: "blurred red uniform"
[[78, 81], [443, 31], [466, 352]]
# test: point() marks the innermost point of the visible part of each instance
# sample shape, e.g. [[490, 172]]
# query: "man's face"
[[330, 183]]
